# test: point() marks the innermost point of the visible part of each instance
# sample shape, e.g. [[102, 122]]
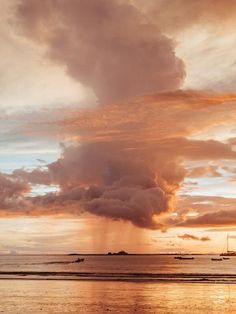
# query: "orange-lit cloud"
[[128, 157], [209, 170], [218, 218], [36, 176], [12, 192], [150, 116], [187, 236], [177, 15], [204, 211], [107, 45], [134, 168]]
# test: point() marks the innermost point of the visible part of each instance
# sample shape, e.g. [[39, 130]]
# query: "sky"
[[117, 126]]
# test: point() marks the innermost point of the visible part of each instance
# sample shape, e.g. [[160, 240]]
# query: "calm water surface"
[[61, 297], [133, 268], [116, 284]]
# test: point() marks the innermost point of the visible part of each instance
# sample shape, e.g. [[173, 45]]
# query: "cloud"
[[128, 159], [190, 13], [151, 116], [187, 236], [222, 229], [12, 192], [207, 171], [219, 218], [23, 67], [109, 46], [205, 203], [36, 176], [232, 140], [111, 181], [204, 32], [10, 187], [204, 211]]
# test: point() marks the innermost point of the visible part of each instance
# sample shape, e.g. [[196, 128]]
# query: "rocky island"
[[118, 253]]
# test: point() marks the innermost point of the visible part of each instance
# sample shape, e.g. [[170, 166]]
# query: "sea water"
[[127, 268]]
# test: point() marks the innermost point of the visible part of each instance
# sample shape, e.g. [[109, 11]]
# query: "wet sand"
[[61, 296]]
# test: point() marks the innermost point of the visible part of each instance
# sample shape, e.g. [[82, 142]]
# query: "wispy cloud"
[[187, 236]]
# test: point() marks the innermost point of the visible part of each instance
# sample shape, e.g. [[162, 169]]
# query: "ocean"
[[149, 268], [143, 284]]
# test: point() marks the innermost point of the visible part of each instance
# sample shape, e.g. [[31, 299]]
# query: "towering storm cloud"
[[129, 154], [106, 45], [130, 167], [114, 181], [112, 48]]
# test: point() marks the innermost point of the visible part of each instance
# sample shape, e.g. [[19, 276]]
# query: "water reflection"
[[30, 296]]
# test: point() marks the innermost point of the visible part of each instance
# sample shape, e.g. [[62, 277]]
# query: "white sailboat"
[[228, 252]]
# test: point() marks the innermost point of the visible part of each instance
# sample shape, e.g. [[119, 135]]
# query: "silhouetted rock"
[[122, 253], [118, 253]]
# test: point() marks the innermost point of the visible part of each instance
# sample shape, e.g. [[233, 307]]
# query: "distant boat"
[[226, 258], [183, 257], [228, 252], [79, 260], [217, 259]]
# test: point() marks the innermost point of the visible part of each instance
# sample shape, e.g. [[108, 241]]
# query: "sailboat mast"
[[227, 242]]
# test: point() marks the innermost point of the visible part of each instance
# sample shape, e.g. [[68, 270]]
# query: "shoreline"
[[106, 254], [126, 277]]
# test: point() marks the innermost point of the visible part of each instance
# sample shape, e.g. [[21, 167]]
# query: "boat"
[[226, 258], [79, 260], [217, 259], [228, 252], [183, 257]]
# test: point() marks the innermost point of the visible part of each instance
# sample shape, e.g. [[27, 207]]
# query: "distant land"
[[125, 253], [118, 253]]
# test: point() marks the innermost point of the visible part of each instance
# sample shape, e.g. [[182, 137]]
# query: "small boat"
[[217, 259], [226, 258], [79, 260], [184, 257]]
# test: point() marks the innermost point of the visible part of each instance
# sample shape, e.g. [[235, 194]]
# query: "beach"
[[62, 296]]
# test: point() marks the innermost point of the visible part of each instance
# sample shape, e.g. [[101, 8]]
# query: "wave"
[[41, 263], [135, 277]]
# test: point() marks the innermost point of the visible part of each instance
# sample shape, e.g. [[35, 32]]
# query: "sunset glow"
[[117, 126]]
